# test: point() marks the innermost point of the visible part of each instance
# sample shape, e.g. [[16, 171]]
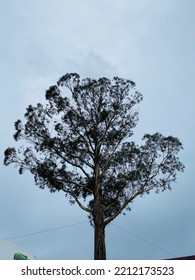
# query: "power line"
[[144, 240], [80, 223], [44, 231]]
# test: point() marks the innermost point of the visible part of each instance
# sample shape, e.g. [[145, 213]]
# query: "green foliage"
[[81, 146], [20, 256]]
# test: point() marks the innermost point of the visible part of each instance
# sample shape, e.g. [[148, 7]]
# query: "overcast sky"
[[151, 42]]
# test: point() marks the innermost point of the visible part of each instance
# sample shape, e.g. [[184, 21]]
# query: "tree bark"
[[99, 230], [99, 242]]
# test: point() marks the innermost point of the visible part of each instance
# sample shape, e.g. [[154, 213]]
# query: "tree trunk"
[[99, 242], [99, 230]]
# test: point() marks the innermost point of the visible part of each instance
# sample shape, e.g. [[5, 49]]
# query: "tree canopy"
[[81, 146]]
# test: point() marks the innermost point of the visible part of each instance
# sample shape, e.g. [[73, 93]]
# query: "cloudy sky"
[[151, 42]]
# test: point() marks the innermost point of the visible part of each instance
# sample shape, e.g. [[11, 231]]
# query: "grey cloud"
[[150, 43]]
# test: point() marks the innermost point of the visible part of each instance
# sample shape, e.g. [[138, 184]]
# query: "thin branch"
[[85, 127], [71, 163], [140, 192], [77, 130], [106, 167], [127, 201], [78, 202], [76, 184], [77, 157], [111, 204]]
